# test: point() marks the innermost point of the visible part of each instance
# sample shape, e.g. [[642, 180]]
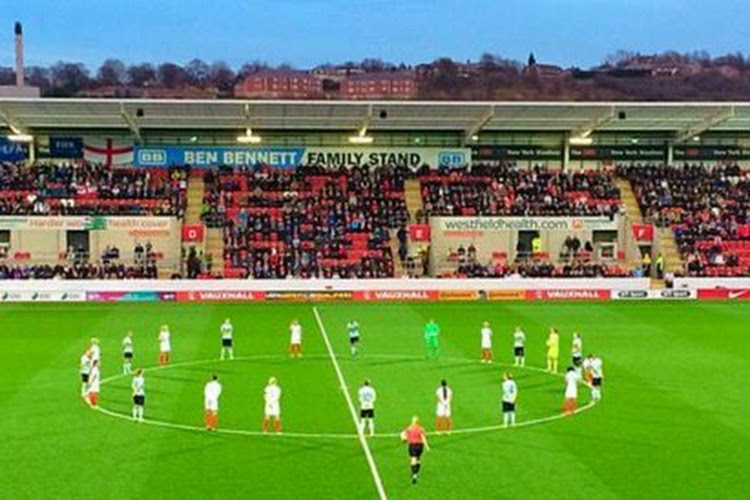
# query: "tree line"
[[623, 75]]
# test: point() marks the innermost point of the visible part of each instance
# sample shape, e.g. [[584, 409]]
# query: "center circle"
[[313, 405]]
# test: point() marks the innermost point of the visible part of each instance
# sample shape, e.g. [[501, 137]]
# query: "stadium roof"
[[682, 119]]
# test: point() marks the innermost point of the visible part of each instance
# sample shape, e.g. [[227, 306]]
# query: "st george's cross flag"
[[108, 151]]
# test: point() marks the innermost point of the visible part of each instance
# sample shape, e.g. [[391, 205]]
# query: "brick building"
[[386, 85], [280, 84]]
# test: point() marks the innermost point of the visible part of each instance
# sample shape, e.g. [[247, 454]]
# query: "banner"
[[65, 147], [643, 232], [219, 296], [568, 294], [506, 295], [86, 223], [13, 151], [622, 153], [709, 153], [312, 296], [419, 232], [512, 152], [42, 296], [193, 233], [648, 294], [458, 295], [396, 295], [479, 225], [289, 157], [133, 296], [723, 294]]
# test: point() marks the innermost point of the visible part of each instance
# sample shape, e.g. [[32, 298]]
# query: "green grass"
[[673, 422]]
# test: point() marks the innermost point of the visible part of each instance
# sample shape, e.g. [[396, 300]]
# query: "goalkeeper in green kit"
[[431, 339]]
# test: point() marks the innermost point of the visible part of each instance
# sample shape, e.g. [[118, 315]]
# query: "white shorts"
[[165, 348], [212, 404], [295, 341], [571, 393], [487, 345], [443, 410], [273, 410]]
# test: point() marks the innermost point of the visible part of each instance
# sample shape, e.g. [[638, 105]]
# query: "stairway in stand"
[[413, 197], [632, 208], [398, 266]]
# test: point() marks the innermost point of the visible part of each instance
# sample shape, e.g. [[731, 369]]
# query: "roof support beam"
[[708, 122], [11, 122], [588, 128], [477, 126], [362, 130], [130, 121]]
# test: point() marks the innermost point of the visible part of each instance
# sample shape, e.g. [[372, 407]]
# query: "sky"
[[305, 33]]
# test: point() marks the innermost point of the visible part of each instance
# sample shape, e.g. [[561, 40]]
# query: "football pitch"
[[674, 420]]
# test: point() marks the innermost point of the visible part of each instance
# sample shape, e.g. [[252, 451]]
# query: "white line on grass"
[[352, 411]]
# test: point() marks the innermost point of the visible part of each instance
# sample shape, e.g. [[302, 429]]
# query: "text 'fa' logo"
[[152, 157]]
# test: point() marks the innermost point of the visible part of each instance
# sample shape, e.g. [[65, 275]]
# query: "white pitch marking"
[[352, 411]]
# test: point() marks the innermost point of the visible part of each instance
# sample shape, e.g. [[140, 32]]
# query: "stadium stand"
[[82, 271], [90, 189], [505, 190], [306, 222], [706, 207]]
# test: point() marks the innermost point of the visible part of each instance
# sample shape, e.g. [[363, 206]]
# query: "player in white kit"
[[486, 342], [92, 388], [444, 419], [295, 339], [367, 397], [519, 347], [139, 395], [510, 394], [211, 394], [594, 369], [272, 411], [84, 368], [227, 347], [165, 345], [571, 391], [127, 354]]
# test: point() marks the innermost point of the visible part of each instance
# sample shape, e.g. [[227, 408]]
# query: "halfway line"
[[352, 411]]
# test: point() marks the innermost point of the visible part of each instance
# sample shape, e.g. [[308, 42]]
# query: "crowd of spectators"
[[537, 268], [306, 222], [82, 271], [707, 207], [91, 189], [508, 191]]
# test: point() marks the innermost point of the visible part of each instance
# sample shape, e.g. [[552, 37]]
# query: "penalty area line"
[[360, 432]]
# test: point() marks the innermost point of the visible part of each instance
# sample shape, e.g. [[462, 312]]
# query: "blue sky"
[[307, 32]]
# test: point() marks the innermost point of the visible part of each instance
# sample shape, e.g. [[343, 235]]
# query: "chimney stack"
[[19, 55]]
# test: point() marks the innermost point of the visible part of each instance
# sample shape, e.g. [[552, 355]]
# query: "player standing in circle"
[[84, 368], [353, 329], [165, 345], [295, 339], [226, 339], [139, 395], [510, 394], [367, 397], [553, 350], [416, 438], [272, 412], [432, 339], [127, 354], [571, 391], [443, 420], [519, 347], [594, 368], [92, 389], [486, 342], [576, 352], [211, 394]]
